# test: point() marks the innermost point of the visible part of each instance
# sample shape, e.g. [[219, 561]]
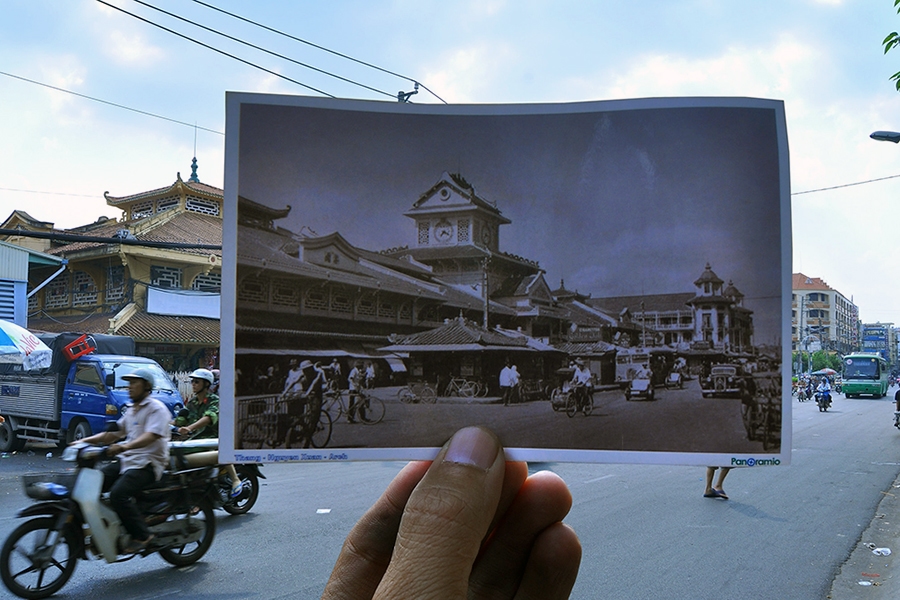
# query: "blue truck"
[[77, 395]]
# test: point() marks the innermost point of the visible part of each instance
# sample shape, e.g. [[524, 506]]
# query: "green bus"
[[865, 374]]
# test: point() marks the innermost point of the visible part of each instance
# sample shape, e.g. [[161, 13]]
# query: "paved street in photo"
[[679, 420]]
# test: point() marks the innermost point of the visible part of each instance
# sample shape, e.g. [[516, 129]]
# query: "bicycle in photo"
[[369, 409], [461, 387], [419, 391], [289, 425]]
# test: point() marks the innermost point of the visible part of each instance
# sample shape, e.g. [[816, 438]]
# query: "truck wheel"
[[81, 430], [8, 440]]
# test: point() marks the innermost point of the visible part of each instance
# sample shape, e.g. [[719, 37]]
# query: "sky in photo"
[[614, 198], [60, 152]]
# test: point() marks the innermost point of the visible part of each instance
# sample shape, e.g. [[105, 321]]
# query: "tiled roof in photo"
[[461, 332], [652, 302]]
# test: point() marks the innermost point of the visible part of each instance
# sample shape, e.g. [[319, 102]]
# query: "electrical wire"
[[835, 187], [107, 102], [261, 49], [6, 189], [214, 49], [317, 46]]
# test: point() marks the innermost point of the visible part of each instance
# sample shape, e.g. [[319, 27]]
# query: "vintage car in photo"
[[723, 380]]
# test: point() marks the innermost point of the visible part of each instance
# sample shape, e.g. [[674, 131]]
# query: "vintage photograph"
[[595, 281]]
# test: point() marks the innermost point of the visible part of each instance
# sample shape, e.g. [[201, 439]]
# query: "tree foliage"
[[890, 42]]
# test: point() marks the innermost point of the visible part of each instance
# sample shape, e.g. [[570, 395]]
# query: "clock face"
[[443, 232], [485, 235]]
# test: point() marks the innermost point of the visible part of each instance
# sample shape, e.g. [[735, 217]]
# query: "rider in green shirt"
[[203, 416]]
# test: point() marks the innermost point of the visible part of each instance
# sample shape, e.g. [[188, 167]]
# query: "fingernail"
[[472, 446]]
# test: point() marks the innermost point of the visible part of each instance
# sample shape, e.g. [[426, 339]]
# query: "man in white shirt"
[[507, 377], [142, 457]]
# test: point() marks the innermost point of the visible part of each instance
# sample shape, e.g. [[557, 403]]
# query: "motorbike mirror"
[[112, 426]]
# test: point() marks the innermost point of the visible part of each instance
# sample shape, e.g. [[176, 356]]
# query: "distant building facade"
[[880, 338], [822, 317]]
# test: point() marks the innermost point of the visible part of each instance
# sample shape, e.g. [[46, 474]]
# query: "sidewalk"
[[865, 574]]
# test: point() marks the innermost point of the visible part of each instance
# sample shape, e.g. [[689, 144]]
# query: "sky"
[[59, 153]]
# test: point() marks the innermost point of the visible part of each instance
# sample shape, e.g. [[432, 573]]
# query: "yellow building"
[[146, 275]]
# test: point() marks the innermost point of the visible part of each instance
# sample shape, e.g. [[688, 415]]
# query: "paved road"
[[646, 530]]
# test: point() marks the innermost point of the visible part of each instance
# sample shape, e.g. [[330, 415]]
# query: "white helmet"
[[205, 374]]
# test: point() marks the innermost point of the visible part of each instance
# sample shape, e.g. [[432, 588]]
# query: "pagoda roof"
[[26, 219], [167, 329], [176, 226], [176, 187]]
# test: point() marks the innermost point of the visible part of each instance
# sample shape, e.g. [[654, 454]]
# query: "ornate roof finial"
[[193, 178]]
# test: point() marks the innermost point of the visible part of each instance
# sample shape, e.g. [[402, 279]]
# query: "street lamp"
[[886, 136]]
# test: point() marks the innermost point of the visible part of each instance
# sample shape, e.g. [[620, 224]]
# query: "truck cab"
[[95, 392]]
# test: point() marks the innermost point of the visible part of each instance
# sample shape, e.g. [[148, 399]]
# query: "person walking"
[[506, 382], [716, 491]]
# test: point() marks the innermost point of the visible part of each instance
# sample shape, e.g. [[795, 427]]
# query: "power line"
[[835, 187], [260, 48], [107, 102], [6, 189], [323, 48], [214, 49], [69, 237]]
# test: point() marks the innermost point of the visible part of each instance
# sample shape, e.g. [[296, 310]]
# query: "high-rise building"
[[822, 317]]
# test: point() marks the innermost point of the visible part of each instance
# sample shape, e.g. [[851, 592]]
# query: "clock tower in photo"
[[457, 234], [452, 214]]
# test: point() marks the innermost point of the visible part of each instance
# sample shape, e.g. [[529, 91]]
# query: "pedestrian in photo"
[[515, 380], [716, 491], [370, 375], [506, 382], [355, 381]]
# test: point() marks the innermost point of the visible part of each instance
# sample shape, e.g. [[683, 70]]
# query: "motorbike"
[[823, 400], [72, 520], [192, 453], [803, 395]]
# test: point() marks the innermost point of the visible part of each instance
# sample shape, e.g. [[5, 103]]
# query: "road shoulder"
[[866, 574]]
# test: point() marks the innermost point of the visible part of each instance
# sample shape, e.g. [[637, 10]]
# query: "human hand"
[[115, 449], [468, 525], [183, 431]]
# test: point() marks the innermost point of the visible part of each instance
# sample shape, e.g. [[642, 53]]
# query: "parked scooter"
[[73, 520], [823, 400], [205, 453]]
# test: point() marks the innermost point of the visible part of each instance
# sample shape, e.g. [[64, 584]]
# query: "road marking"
[[598, 479]]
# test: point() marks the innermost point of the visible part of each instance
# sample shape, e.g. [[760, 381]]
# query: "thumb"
[[446, 520]]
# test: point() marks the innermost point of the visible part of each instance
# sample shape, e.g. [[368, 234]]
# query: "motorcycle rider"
[[203, 416], [824, 388], [142, 457]]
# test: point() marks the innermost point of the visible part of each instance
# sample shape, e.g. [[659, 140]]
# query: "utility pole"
[[484, 290]]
